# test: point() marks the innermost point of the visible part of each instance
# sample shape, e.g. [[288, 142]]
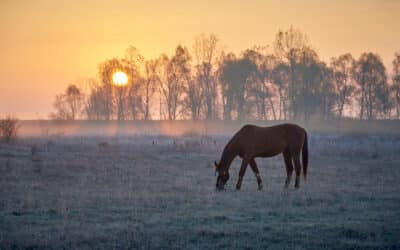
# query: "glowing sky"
[[47, 44]]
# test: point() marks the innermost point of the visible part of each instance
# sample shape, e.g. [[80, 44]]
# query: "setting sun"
[[120, 78]]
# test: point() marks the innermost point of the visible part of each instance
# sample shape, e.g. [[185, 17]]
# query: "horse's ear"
[[216, 164]]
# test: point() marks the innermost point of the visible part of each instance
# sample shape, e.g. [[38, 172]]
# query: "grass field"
[[158, 192]]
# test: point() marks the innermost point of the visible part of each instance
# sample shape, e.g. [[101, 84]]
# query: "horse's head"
[[222, 176]]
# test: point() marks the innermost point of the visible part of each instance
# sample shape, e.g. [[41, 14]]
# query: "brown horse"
[[253, 141]]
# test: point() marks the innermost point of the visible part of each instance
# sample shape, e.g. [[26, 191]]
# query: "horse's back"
[[295, 136], [287, 133]]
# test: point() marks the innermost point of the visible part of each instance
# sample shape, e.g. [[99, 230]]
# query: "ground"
[[158, 192]]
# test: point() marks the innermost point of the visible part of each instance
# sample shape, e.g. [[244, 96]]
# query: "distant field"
[[85, 128], [158, 192]]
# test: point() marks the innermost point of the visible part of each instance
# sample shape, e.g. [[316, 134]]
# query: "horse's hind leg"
[[242, 171], [297, 168], [254, 167], [289, 167]]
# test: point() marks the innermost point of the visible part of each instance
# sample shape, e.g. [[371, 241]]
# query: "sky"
[[46, 45]]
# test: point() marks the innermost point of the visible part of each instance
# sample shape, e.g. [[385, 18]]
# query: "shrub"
[[8, 128]]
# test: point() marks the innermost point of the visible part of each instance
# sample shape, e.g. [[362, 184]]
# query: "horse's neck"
[[227, 157]]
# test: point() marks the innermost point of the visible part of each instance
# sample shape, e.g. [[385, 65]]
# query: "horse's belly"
[[268, 154], [270, 150]]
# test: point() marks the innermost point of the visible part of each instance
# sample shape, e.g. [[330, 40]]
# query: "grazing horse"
[[253, 141]]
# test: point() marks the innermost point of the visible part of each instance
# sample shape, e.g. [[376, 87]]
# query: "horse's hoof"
[[260, 187], [297, 186]]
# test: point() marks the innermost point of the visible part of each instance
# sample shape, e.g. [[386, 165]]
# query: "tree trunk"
[[273, 107], [146, 113]]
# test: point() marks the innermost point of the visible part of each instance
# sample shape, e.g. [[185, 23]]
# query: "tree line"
[[289, 83]]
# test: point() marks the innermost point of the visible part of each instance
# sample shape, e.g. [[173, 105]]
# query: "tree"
[[395, 88], [305, 94], [95, 107], [68, 105], [9, 128], [235, 74], [280, 77], [204, 51], [194, 98], [106, 71], [369, 73], [312, 88], [173, 75], [138, 87], [150, 81], [121, 101], [135, 100], [343, 82], [261, 87], [328, 95], [288, 46]]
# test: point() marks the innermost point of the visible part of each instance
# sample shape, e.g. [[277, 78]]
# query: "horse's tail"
[[305, 156]]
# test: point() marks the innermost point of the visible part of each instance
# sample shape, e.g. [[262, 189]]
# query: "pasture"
[[158, 192]]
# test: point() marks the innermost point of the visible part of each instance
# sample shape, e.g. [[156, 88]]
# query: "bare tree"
[[106, 71], [150, 82], [9, 127], [194, 98], [288, 46], [204, 51], [172, 75], [280, 77], [395, 88], [68, 105], [342, 67], [121, 100], [369, 73], [139, 87], [327, 93]]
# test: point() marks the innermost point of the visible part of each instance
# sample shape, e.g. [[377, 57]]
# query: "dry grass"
[[9, 128]]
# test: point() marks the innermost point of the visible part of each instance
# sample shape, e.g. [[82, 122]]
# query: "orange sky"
[[47, 44]]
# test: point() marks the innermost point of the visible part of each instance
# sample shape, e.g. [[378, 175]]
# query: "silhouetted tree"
[[261, 87], [369, 73], [138, 87], [328, 95], [68, 105], [395, 88], [124, 101], [342, 67], [9, 128], [96, 102], [204, 51], [306, 92], [194, 98], [106, 71], [280, 77], [150, 85], [235, 74], [173, 75], [288, 46]]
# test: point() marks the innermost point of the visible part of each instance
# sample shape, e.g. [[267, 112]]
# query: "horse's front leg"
[[242, 171], [254, 167]]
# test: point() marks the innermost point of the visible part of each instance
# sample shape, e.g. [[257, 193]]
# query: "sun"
[[120, 78]]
